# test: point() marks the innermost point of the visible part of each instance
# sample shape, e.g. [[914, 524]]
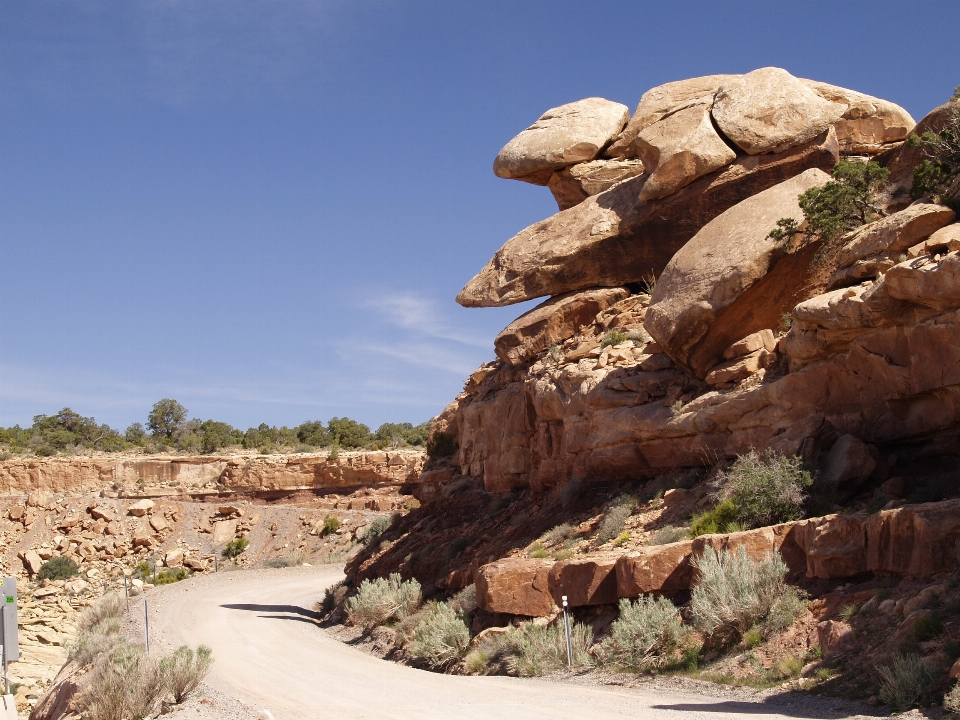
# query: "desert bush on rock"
[[722, 518], [734, 593], [614, 337], [765, 488], [172, 575], [645, 633], [330, 525], [558, 534], [184, 670], [236, 547], [441, 445], [615, 517], [844, 203], [951, 701], [906, 682], [667, 534], [382, 599], [58, 568], [441, 638], [939, 172], [377, 527], [531, 650]]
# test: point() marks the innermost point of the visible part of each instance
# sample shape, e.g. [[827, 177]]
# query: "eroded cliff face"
[[244, 473], [740, 340]]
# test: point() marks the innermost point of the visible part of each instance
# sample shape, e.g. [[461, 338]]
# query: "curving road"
[[270, 654]]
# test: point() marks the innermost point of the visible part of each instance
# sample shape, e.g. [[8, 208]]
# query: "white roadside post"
[[146, 623], [566, 628], [9, 642], [126, 592]]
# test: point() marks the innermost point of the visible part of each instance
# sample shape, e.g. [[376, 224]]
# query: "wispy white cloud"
[[422, 315]]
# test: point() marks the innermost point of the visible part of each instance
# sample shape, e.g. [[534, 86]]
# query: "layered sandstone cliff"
[[233, 473]]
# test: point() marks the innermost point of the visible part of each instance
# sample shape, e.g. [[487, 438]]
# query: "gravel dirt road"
[[270, 654]]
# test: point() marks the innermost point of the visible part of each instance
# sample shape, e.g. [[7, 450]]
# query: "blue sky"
[[265, 209]]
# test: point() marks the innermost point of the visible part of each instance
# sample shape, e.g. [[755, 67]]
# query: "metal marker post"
[[566, 627], [126, 593], [6, 680], [146, 622]]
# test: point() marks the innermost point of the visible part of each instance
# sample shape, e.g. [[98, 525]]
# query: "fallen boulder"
[[518, 586], [586, 581], [731, 279]]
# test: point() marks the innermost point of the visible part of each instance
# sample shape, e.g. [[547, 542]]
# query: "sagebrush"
[[765, 488], [125, 683], [734, 593], [615, 517], [382, 599], [100, 630], [904, 683], [532, 650], [644, 634], [183, 670], [441, 638]]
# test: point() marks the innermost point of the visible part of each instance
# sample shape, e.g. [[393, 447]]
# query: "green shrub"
[[172, 575], [926, 625], [236, 547], [456, 547], [644, 634], [716, 520], [183, 670], [532, 650], [58, 568], [614, 337], [377, 527], [668, 534], [441, 638], [752, 638], [906, 682], [615, 517], [844, 203], [441, 445], [937, 173], [331, 524], [765, 488], [382, 599], [733, 593]]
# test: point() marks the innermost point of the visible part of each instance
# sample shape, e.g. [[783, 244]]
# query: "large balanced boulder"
[[769, 110], [552, 322], [572, 133], [664, 100], [869, 125], [574, 184], [614, 238], [731, 279], [679, 149]]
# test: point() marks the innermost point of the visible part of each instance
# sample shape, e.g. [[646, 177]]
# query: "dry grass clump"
[[644, 634], [183, 670], [735, 593], [558, 534], [383, 599], [668, 534], [100, 630], [125, 683], [951, 701], [441, 637], [903, 684]]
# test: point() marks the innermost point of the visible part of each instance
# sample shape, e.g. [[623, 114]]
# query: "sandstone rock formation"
[[235, 473], [657, 103], [613, 238], [564, 135], [731, 278], [679, 149], [769, 110], [552, 322], [574, 184], [913, 541]]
